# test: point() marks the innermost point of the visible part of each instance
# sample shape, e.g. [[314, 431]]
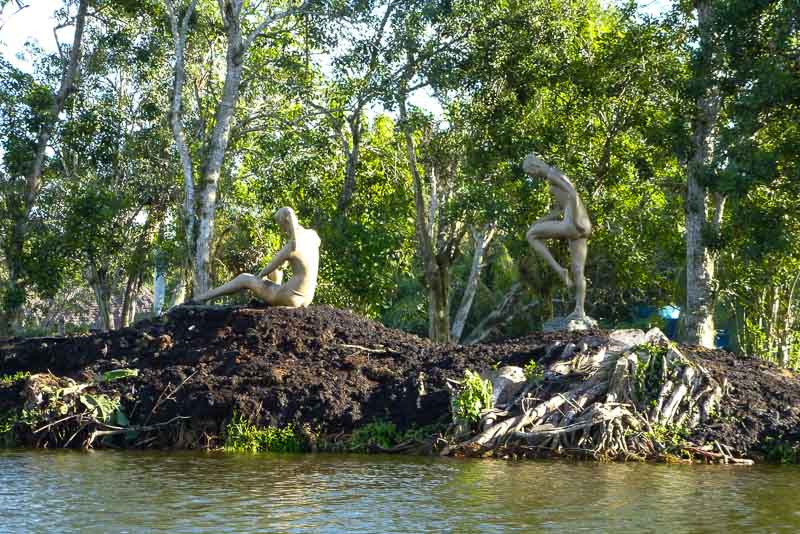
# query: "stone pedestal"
[[570, 323]]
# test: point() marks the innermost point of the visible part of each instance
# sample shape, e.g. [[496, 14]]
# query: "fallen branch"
[[119, 430], [162, 399], [725, 458], [379, 349], [54, 423]]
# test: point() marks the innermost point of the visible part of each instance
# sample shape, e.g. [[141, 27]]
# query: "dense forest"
[[143, 160]]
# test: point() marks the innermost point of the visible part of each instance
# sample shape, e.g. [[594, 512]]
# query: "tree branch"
[[271, 20]]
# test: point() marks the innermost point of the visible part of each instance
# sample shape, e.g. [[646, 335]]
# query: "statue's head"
[[286, 219], [533, 166]]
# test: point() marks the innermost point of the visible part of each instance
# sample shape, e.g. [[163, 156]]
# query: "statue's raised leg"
[[550, 230]]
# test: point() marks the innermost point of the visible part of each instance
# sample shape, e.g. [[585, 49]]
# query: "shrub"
[[533, 372], [243, 436], [383, 434], [474, 398]]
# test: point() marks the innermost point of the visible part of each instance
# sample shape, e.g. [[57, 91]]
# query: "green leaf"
[[120, 418], [117, 374], [100, 405]]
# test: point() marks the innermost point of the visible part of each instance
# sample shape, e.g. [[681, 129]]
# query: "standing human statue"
[[568, 219], [302, 253]]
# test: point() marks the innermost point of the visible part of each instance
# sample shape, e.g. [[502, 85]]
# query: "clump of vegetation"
[[67, 411], [670, 436], [782, 452], [243, 436], [533, 372], [7, 380], [7, 422], [474, 398], [649, 371], [383, 434]]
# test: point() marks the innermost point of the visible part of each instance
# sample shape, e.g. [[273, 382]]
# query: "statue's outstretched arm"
[[279, 259]]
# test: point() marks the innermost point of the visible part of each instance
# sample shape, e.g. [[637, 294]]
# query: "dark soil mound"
[[335, 371], [762, 406], [322, 366]]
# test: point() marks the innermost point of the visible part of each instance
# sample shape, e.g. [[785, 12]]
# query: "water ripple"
[[98, 492]]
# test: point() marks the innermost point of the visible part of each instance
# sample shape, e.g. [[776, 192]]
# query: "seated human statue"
[[301, 251]]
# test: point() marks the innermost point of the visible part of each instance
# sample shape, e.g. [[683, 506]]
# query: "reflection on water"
[[65, 491]]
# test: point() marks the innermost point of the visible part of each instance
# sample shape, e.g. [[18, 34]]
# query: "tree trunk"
[[179, 293], [700, 260], [353, 154], [128, 313], [200, 227], [179, 36], [132, 289], [101, 285], [67, 86], [159, 283], [13, 300], [482, 240], [136, 267], [788, 324], [700, 270], [234, 60], [439, 304], [437, 276]]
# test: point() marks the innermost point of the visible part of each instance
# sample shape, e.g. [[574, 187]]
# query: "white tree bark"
[[438, 314], [482, 240], [159, 288], [180, 32], [200, 226], [438, 244], [700, 260], [234, 60]]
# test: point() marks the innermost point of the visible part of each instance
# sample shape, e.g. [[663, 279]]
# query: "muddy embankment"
[[328, 373]]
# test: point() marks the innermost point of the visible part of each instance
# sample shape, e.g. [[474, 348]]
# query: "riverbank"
[[340, 381]]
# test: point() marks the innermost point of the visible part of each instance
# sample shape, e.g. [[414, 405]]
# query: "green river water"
[[115, 492]]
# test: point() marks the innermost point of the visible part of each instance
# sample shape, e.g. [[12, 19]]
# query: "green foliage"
[[473, 399], [533, 372], [100, 406], [118, 374], [385, 435], [34, 417], [382, 434], [243, 436], [7, 421], [594, 88], [669, 436], [7, 380], [73, 398], [649, 371], [782, 452]]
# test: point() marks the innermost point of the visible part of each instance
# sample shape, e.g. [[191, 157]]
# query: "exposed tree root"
[[639, 399]]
